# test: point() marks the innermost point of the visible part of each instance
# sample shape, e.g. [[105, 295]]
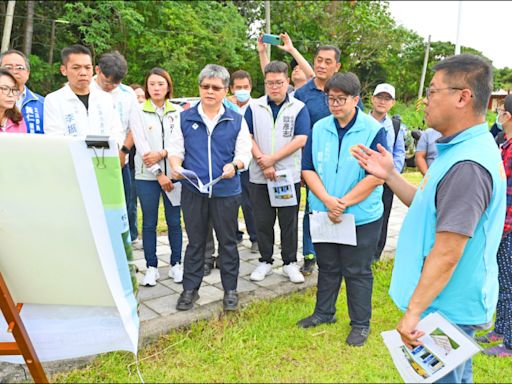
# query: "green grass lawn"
[[262, 344]]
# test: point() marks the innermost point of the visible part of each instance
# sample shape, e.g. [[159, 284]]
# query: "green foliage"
[[183, 36], [412, 118]]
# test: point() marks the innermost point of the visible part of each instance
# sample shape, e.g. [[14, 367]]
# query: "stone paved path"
[[158, 312]]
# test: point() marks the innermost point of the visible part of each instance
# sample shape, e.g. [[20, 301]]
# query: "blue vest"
[[471, 295], [340, 172], [207, 154], [32, 110]]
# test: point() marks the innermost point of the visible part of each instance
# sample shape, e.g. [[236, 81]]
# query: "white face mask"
[[242, 95]]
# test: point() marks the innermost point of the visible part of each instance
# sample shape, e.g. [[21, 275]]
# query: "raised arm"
[[301, 61]]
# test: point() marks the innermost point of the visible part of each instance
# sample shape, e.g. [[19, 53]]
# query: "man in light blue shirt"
[[383, 100]]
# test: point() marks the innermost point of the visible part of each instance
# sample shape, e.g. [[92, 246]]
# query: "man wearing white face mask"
[[240, 84]]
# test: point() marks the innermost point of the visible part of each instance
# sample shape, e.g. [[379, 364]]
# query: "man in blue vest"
[[326, 63], [214, 142], [29, 103], [339, 185], [446, 253]]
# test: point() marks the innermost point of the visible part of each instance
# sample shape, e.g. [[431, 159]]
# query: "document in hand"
[[282, 190], [192, 177], [323, 230], [175, 194], [445, 347]]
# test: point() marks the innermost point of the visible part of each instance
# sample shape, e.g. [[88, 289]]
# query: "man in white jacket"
[[77, 109]]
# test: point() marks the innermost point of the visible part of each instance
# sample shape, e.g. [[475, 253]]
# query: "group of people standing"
[[350, 162]]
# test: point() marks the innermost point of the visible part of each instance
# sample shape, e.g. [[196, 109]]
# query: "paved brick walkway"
[[158, 304]]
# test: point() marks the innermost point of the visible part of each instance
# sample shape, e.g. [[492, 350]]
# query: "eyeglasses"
[[8, 90], [383, 97], [19, 68], [274, 84], [214, 87], [431, 91], [341, 101]]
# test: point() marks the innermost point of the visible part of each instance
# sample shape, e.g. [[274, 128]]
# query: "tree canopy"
[[183, 36]]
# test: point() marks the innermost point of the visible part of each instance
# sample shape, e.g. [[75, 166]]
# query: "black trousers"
[[387, 200], [265, 218], [338, 261], [198, 210]]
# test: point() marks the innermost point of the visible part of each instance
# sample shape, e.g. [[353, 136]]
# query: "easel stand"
[[22, 344]]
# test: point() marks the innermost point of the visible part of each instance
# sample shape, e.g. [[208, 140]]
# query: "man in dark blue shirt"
[[326, 64]]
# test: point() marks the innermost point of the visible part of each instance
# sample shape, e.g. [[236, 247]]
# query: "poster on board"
[[66, 249]]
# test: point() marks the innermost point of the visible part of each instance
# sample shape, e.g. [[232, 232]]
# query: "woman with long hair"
[[11, 119]]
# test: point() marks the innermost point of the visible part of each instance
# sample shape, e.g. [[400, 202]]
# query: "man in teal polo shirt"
[[446, 252]]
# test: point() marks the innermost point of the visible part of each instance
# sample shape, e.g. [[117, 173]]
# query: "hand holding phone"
[[271, 39]]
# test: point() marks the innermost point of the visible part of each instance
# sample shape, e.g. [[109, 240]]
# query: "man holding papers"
[[339, 185], [446, 253], [210, 141], [279, 125]]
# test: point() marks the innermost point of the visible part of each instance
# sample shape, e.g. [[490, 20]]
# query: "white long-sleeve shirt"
[[65, 114]]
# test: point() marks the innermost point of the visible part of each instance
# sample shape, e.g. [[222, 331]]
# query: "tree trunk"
[[6, 38], [29, 28]]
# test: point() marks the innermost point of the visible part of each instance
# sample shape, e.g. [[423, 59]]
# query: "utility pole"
[[6, 37], [29, 28], [52, 44], [459, 20], [424, 69], [267, 24]]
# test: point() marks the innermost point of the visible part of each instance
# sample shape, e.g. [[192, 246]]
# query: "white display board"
[[63, 230]]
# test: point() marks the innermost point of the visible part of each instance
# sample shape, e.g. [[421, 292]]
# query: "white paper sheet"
[[444, 348], [196, 181], [175, 195], [282, 190], [323, 230]]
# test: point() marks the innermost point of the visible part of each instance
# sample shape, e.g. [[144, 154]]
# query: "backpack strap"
[[396, 128]]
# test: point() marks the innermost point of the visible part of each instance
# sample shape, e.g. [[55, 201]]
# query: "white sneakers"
[[176, 273], [292, 270], [262, 270], [151, 277]]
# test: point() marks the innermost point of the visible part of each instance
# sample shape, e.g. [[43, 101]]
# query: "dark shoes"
[[313, 321], [207, 269], [230, 301], [187, 299], [357, 336], [309, 264]]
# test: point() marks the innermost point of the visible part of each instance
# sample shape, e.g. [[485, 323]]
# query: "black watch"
[[125, 149], [235, 166]]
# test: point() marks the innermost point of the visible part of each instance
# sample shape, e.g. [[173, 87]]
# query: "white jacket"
[[156, 137], [65, 114]]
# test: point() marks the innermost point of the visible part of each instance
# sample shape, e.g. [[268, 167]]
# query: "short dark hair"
[[240, 74], [160, 72], [276, 67], [19, 53], [135, 86], [14, 113], [113, 65], [74, 49], [469, 71], [507, 103], [346, 82], [337, 52]]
